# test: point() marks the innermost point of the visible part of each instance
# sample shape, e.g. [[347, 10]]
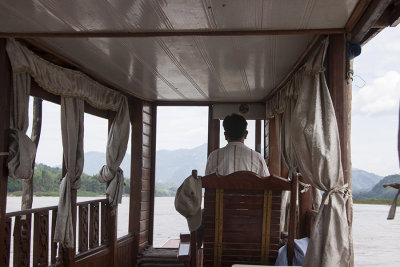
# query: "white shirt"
[[236, 156]]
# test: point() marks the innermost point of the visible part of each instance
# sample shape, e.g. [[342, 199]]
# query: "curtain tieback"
[[305, 186], [345, 191], [3, 153], [106, 174]]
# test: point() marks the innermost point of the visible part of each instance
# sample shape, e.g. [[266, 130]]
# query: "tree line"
[[46, 182]]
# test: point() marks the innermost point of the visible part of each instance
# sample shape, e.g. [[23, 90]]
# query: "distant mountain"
[[172, 166], [363, 181], [378, 192], [95, 160]]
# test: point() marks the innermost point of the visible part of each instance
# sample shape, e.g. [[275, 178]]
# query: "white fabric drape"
[[22, 150], [116, 148], [72, 112], [317, 151], [74, 88], [61, 81]]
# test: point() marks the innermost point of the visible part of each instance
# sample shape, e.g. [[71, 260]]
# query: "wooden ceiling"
[[181, 50]]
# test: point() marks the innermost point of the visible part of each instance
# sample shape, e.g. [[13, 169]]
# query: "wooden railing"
[[35, 237]]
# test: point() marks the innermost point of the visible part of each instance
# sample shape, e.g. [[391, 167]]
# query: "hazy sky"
[[376, 97]]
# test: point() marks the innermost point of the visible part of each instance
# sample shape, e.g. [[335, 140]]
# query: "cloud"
[[393, 46], [380, 97]]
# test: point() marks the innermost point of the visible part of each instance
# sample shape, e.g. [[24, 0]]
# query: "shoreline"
[[91, 194]]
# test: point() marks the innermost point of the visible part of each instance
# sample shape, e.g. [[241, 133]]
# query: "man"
[[235, 156]]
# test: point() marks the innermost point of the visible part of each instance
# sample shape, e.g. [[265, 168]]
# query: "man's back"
[[236, 156]]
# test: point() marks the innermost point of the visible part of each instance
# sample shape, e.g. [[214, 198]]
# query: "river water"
[[376, 240]]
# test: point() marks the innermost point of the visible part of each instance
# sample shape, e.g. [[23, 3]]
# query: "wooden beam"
[[391, 16], [368, 19], [5, 100], [165, 33], [356, 15], [213, 132], [341, 97]]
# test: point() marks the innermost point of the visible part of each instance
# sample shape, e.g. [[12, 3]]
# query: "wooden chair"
[[241, 220]]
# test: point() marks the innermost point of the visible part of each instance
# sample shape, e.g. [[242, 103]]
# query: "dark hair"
[[235, 126]]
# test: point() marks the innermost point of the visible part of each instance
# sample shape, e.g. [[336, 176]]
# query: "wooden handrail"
[[104, 200], [31, 211]]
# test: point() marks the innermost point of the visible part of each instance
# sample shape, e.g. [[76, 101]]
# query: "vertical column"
[[341, 97], [274, 155], [213, 131], [68, 254], [112, 213], [266, 141], [153, 169], [142, 174], [5, 93], [258, 136]]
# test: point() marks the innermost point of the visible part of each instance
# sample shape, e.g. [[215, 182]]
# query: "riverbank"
[[372, 201], [55, 194], [93, 194]]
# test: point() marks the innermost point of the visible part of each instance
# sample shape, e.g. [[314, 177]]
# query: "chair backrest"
[[242, 216]]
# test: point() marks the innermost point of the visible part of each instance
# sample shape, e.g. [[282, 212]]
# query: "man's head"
[[235, 128]]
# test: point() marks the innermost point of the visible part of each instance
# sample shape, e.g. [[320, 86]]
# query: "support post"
[[142, 118], [341, 97], [305, 205], [213, 131], [258, 136], [274, 155], [5, 92], [153, 171], [68, 254], [112, 212]]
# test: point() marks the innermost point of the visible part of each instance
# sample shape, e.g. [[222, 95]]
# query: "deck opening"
[[181, 147]]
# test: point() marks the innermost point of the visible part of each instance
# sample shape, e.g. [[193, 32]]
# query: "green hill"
[[46, 183], [378, 192]]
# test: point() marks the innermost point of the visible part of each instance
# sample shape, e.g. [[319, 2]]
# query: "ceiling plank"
[[368, 19], [176, 33], [295, 66]]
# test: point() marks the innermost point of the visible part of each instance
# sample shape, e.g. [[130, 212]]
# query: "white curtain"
[[116, 148], [72, 111], [21, 148], [317, 151], [310, 142], [61, 81], [74, 88]]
